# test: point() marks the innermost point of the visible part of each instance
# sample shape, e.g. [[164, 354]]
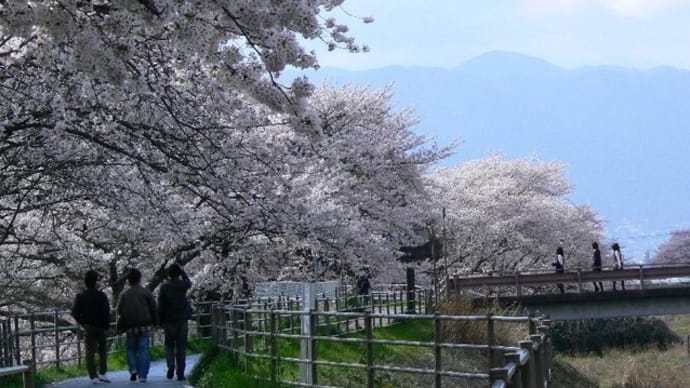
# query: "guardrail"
[[529, 366], [251, 334], [27, 370], [641, 273]]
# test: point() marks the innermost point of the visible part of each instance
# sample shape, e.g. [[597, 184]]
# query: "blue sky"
[[638, 34], [569, 33]]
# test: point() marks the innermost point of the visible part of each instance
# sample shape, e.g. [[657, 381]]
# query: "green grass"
[[218, 369], [117, 360]]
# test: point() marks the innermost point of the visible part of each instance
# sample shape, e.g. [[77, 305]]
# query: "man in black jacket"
[[91, 310], [174, 311]]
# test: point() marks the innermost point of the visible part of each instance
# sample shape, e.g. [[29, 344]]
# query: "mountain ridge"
[[621, 131]]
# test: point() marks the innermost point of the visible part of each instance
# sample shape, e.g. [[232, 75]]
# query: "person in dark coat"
[[559, 263], [596, 266], [617, 263], [174, 312], [137, 316], [91, 310]]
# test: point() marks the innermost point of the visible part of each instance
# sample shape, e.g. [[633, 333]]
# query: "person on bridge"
[[559, 263], [91, 310], [137, 316], [174, 311], [596, 266], [617, 263]]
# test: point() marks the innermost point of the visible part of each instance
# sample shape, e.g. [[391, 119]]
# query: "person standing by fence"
[[617, 263], [559, 263], [174, 312], [596, 266], [91, 310], [137, 316]]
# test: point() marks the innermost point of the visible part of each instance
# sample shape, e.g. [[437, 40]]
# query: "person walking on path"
[[91, 310], [174, 311], [596, 266], [559, 263], [617, 263], [137, 316]]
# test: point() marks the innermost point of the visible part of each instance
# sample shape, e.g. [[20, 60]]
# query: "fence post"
[[235, 335], [498, 374], [314, 322], [17, 349], [411, 309], [516, 380], [28, 376], [32, 325], [388, 309], [437, 351], [579, 279], [491, 339], [274, 350], [248, 340], [224, 322], [214, 325], [532, 325], [370, 350], [528, 378], [518, 286], [57, 338], [548, 351], [6, 358], [327, 317], [538, 361]]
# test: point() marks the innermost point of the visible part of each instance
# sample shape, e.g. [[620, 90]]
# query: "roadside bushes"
[[597, 335]]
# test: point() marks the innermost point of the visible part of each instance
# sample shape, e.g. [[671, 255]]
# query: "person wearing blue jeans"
[[137, 316], [174, 310], [138, 355]]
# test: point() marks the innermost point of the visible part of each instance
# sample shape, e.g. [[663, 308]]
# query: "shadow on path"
[[120, 378]]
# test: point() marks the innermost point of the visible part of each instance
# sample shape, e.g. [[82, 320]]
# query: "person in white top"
[[617, 263]]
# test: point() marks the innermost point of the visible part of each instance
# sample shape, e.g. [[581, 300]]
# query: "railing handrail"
[[250, 332], [528, 278]]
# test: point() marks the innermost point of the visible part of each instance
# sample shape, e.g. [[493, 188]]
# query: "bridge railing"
[[641, 274], [253, 335]]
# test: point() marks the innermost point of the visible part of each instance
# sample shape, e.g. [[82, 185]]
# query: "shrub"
[[475, 332], [597, 335]]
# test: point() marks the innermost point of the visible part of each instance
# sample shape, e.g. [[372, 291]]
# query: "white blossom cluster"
[[511, 215]]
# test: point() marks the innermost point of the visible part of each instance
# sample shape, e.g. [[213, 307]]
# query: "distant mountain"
[[623, 132]]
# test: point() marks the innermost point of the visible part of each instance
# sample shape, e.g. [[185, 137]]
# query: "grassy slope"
[[645, 368]]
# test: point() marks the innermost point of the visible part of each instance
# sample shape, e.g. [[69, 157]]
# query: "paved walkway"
[[120, 379]]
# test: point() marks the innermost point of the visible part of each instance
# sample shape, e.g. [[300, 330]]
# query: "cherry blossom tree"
[[137, 130], [249, 203], [507, 215], [676, 250]]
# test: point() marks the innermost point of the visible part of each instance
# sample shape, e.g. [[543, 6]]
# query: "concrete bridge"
[[650, 290]]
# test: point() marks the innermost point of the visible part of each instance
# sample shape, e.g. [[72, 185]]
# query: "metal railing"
[[52, 338], [251, 333], [641, 274]]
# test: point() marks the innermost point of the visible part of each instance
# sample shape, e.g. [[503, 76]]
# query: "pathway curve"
[[120, 378]]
